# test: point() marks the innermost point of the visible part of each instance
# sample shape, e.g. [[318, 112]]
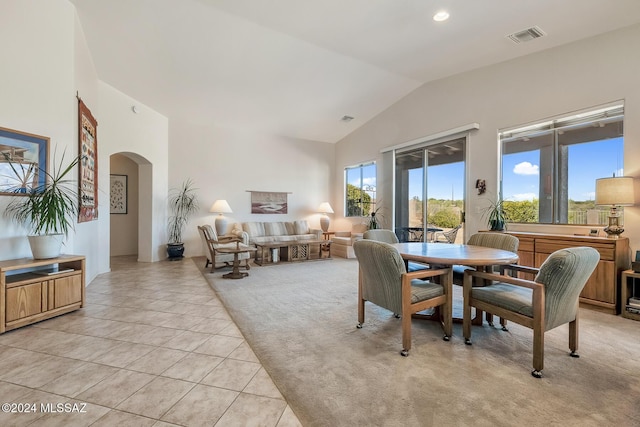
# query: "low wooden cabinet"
[[34, 290], [602, 291]]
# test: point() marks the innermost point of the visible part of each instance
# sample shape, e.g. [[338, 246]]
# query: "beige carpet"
[[300, 321]]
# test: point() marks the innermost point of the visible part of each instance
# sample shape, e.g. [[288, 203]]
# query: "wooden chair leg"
[[503, 323], [538, 352], [573, 337]]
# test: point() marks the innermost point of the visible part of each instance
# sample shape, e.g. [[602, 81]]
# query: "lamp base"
[[324, 223], [221, 225], [614, 230]]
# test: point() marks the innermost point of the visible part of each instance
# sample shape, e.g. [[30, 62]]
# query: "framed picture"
[[593, 232], [24, 161], [88, 170], [118, 194]]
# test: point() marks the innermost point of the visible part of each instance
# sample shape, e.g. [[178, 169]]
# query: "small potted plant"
[[374, 218], [496, 217], [47, 210], [183, 203]]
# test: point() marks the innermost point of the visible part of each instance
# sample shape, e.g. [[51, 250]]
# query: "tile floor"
[[152, 347]]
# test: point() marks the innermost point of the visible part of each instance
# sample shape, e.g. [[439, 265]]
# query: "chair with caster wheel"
[[550, 300], [384, 281]]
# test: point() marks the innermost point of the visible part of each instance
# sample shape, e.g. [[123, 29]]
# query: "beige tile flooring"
[[152, 347]]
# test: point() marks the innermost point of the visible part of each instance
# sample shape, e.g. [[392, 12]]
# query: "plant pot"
[[175, 251], [497, 225], [46, 246]]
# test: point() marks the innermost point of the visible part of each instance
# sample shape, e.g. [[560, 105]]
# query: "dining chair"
[[384, 281], [448, 236], [381, 235], [542, 304]]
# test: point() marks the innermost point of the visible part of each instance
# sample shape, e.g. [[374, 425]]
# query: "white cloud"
[[523, 196], [526, 168]]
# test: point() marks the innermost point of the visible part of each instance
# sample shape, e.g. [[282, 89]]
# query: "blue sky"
[[521, 173]]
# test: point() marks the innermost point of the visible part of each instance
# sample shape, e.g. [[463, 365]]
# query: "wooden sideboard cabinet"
[[35, 290], [602, 291]]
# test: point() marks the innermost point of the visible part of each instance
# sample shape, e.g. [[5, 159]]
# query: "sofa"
[[342, 241], [271, 231]]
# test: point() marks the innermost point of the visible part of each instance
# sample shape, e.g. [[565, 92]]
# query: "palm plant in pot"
[[496, 216], [47, 210], [183, 203]]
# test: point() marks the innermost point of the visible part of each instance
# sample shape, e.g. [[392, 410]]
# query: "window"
[[360, 189], [549, 169]]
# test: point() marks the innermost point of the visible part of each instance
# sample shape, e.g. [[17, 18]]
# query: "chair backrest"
[[381, 268], [451, 235], [503, 241], [208, 250], [564, 274], [381, 235]]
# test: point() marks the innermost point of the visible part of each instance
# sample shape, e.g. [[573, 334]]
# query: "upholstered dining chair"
[[548, 301], [381, 235], [384, 281], [212, 243]]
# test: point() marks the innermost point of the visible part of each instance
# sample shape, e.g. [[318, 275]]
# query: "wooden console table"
[[34, 290], [602, 291]]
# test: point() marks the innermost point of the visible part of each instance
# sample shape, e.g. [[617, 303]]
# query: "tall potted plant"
[[47, 210], [183, 203]]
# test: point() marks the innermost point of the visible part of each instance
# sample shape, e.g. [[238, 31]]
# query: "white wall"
[[225, 163], [124, 227], [557, 81]]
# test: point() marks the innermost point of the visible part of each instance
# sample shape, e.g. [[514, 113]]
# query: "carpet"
[[300, 320]]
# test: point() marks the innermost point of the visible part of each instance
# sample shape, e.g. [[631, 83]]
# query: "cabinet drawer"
[[24, 301], [67, 290], [544, 246], [526, 244]]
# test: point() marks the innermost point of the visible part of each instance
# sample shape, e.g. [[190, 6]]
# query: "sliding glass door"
[[429, 191]]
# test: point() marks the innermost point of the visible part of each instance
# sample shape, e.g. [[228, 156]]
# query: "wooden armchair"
[[212, 243], [384, 281], [542, 304], [448, 236]]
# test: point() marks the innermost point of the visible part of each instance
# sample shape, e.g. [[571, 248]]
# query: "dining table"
[[450, 254]]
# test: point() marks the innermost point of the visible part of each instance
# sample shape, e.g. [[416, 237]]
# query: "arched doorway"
[[130, 226]]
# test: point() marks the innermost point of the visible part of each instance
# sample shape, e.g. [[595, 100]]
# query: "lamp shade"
[[325, 208], [616, 191], [221, 206]]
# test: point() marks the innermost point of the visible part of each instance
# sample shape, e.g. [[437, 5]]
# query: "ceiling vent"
[[526, 35]]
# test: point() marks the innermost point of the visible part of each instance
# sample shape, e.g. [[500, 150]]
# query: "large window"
[[360, 189], [549, 169]]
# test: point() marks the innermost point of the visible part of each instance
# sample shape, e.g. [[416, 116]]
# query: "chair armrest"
[[501, 278], [228, 239], [521, 268], [423, 274], [317, 232]]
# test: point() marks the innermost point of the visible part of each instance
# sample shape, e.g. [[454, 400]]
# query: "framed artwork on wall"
[[268, 202], [24, 161], [118, 191], [88, 170]]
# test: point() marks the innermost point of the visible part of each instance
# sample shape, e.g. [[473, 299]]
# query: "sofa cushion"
[[301, 227], [275, 229], [254, 229]]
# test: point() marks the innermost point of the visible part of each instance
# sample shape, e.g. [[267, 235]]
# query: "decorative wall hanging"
[[88, 170], [118, 194], [24, 161], [268, 202]]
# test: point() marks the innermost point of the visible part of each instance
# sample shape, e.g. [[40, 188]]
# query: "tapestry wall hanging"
[[268, 202], [88, 170]]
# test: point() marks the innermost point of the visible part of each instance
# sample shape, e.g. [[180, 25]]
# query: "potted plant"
[[183, 203], [373, 219], [47, 210], [496, 217]]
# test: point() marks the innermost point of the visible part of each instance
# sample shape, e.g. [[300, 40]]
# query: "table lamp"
[[615, 191], [324, 208], [221, 207]]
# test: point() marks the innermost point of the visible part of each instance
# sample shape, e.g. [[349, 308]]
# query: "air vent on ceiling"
[[526, 35]]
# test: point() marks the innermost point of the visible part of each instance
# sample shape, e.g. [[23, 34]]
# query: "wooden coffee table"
[[235, 272], [297, 250]]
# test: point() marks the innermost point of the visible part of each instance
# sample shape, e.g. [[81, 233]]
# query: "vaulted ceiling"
[[295, 67]]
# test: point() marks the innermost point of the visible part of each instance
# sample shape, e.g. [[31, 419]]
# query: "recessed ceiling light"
[[441, 16]]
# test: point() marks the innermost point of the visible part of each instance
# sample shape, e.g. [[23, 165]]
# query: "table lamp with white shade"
[[221, 207], [325, 208], [615, 191]]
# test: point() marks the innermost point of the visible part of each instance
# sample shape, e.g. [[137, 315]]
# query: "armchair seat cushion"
[[422, 290], [511, 297]]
